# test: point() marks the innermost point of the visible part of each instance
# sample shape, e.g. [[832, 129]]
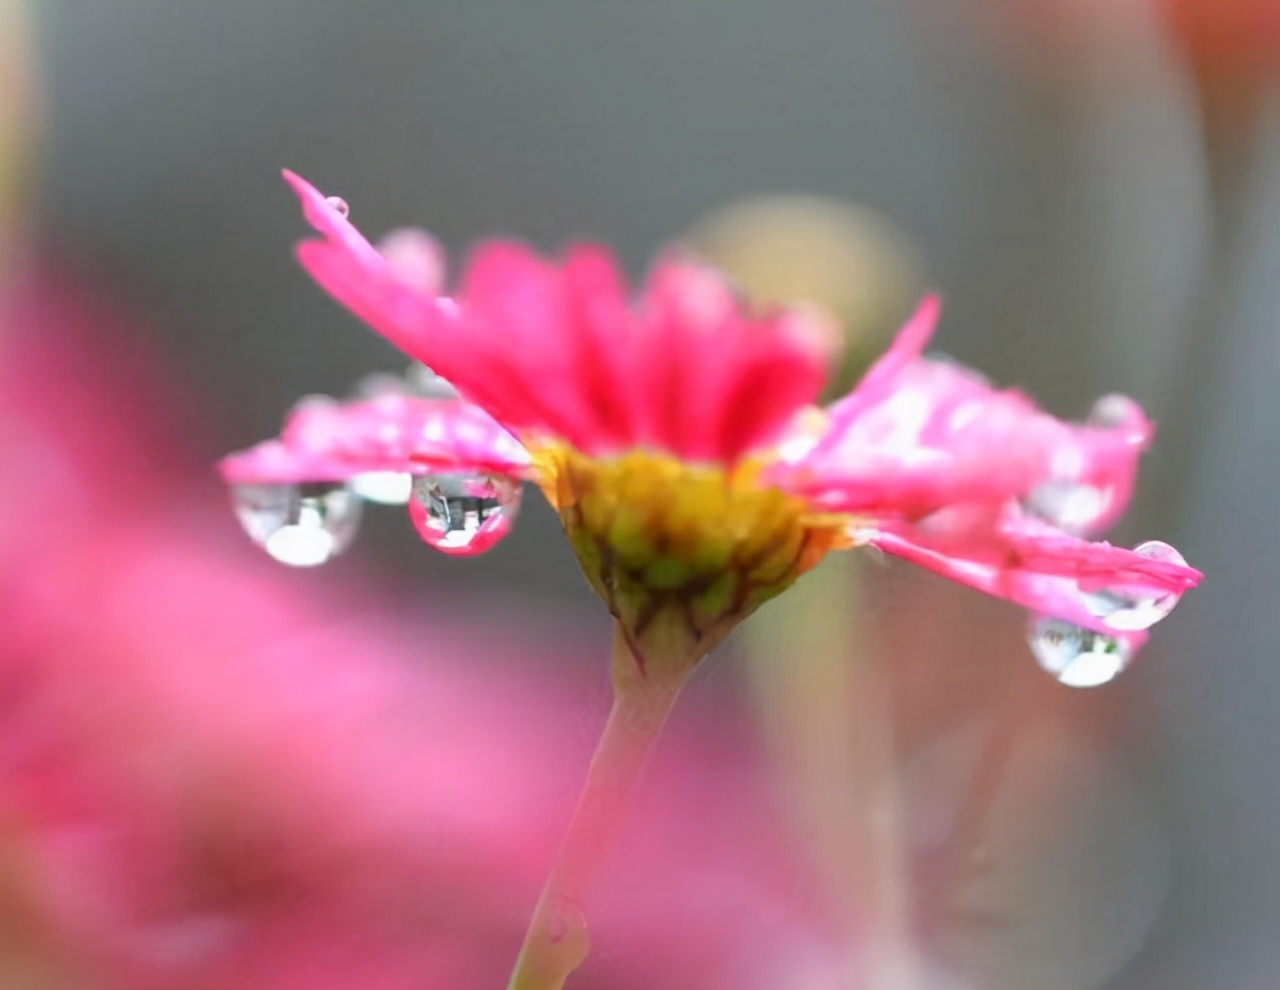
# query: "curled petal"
[[920, 434], [391, 433], [1093, 585]]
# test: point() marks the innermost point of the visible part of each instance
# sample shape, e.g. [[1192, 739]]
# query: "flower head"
[[676, 435]]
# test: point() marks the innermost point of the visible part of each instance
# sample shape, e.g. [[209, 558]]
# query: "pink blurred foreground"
[[206, 782]]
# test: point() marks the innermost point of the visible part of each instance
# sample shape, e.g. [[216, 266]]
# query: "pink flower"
[[676, 436]]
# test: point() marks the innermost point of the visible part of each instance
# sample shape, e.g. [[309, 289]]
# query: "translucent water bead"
[[1077, 657], [301, 525], [462, 514]]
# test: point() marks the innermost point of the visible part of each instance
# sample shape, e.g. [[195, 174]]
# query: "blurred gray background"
[[1061, 213]]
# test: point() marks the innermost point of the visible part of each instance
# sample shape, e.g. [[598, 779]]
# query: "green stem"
[[557, 941]]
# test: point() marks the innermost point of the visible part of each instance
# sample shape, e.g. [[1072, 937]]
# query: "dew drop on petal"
[[313, 401], [463, 514], [379, 384], [1072, 506], [1074, 656], [1124, 611], [1114, 411], [339, 204], [383, 487], [426, 384], [301, 525]]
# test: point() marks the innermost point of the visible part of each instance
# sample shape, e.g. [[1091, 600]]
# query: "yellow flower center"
[[681, 552]]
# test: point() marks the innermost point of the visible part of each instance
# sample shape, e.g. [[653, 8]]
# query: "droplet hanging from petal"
[[1077, 657], [1127, 611], [463, 514], [301, 525], [339, 204]]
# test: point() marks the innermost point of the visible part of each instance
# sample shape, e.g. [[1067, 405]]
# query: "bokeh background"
[[1094, 187]]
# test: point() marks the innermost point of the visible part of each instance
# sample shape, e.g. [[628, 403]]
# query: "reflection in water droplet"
[[339, 204], [1077, 657], [301, 525], [1125, 611], [384, 487], [463, 514]]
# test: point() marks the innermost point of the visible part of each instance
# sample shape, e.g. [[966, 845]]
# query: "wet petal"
[[388, 434], [1092, 585], [395, 297], [554, 351], [920, 434]]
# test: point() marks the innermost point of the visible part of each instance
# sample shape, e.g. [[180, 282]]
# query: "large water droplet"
[[339, 204], [301, 525], [1077, 657], [463, 514], [1125, 611]]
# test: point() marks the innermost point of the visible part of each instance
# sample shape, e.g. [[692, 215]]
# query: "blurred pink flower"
[[208, 783], [678, 439]]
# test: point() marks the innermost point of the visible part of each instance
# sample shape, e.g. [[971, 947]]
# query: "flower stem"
[[557, 941]]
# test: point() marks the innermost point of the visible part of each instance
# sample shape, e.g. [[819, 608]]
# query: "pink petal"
[[396, 433], [1093, 585], [396, 297], [554, 350], [717, 381], [881, 378], [918, 435]]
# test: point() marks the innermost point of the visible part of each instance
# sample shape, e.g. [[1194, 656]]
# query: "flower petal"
[[1092, 585], [717, 381], [554, 351], [395, 297], [881, 378], [391, 433], [919, 434]]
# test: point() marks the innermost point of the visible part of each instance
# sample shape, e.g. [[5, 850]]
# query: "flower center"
[[681, 552]]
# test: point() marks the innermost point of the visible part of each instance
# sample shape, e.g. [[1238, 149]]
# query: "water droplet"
[[1072, 506], [299, 524], [384, 487], [378, 384], [1124, 611], [1113, 411], [1077, 657], [313, 400], [463, 514], [339, 204], [427, 384]]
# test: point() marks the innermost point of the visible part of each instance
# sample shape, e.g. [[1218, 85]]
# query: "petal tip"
[[298, 184]]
